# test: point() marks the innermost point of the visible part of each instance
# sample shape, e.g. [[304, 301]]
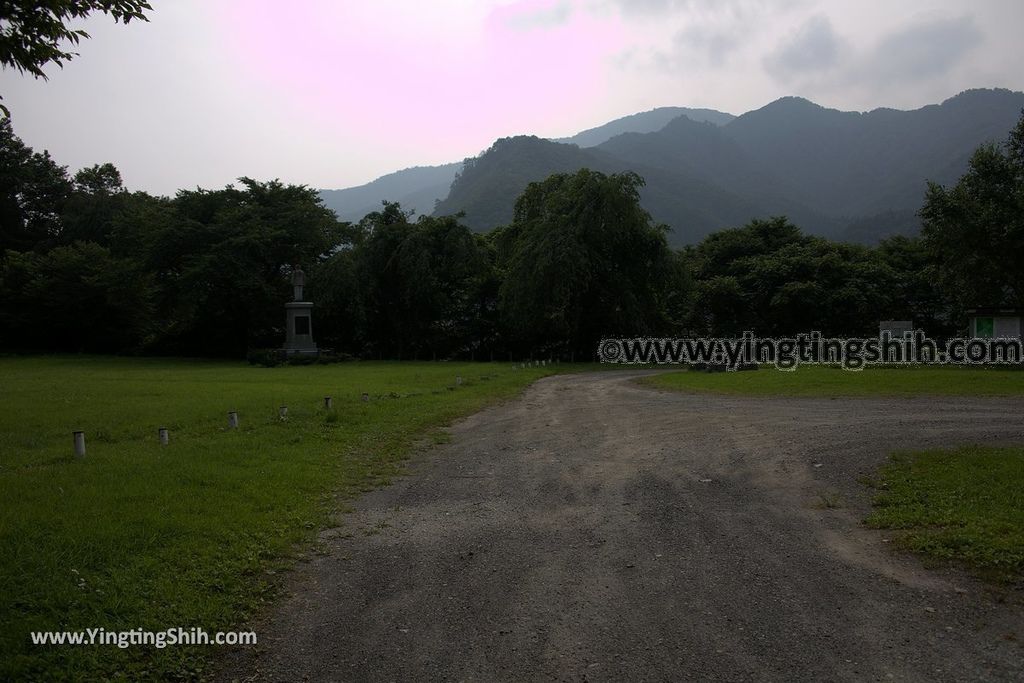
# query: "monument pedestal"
[[299, 335]]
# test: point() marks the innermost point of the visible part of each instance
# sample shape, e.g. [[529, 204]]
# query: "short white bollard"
[[458, 380], [328, 402], [164, 435], [233, 420], [79, 438], [282, 412]]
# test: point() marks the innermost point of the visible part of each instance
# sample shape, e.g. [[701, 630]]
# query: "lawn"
[[819, 380], [964, 505], [139, 535]]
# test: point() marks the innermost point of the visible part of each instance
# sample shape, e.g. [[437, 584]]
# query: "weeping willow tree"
[[582, 260]]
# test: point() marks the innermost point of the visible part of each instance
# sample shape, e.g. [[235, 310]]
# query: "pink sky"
[[433, 82]]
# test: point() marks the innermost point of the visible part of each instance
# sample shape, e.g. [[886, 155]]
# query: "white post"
[[458, 380], [328, 402], [164, 435], [79, 438], [233, 420], [283, 412]]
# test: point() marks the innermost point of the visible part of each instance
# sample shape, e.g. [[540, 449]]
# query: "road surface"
[[597, 530]]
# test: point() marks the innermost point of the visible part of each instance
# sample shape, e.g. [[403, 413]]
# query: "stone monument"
[[299, 321]]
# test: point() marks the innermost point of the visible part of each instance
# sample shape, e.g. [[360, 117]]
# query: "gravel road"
[[598, 530]]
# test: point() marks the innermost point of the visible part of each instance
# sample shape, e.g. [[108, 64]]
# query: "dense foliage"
[[975, 229], [87, 265], [581, 259]]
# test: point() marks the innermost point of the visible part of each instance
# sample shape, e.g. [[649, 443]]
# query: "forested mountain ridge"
[[858, 176]]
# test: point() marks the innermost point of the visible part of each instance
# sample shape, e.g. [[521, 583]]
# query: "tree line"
[[86, 265]]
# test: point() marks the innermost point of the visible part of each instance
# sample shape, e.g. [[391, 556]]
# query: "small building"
[[299, 319], [995, 323], [895, 328]]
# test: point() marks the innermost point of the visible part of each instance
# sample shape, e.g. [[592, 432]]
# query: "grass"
[[832, 381], [137, 535], [964, 505]]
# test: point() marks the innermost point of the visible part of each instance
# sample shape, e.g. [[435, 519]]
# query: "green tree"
[[974, 230], [769, 278], [582, 260], [222, 260], [96, 198], [339, 293], [917, 295], [74, 298], [33, 192], [414, 287], [34, 34]]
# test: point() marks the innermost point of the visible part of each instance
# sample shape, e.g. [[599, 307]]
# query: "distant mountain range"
[[421, 187], [847, 175], [644, 122], [417, 188]]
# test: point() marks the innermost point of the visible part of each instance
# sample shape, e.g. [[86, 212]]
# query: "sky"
[[331, 93]]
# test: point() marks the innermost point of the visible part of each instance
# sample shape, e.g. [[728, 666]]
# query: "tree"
[[974, 230], [222, 260], [769, 278], [33, 191], [917, 295], [97, 197], [582, 260], [33, 34], [414, 288], [74, 298]]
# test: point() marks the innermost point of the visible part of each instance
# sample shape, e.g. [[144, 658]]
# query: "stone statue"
[[299, 318], [298, 283]]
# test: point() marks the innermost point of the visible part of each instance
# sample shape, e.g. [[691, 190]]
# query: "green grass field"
[[831, 381], [137, 535], [965, 505]]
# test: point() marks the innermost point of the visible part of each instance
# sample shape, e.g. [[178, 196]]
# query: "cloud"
[[920, 52], [815, 48], [714, 46], [673, 37], [657, 9], [526, 16], [912, 55]]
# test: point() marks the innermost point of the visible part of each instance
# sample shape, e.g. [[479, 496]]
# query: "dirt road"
[[598, 530]]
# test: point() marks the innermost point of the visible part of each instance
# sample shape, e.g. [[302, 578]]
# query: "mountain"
[[415, 189], [851, 175], [420, 187], [487, 187], [854, 164], [644, 122]]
